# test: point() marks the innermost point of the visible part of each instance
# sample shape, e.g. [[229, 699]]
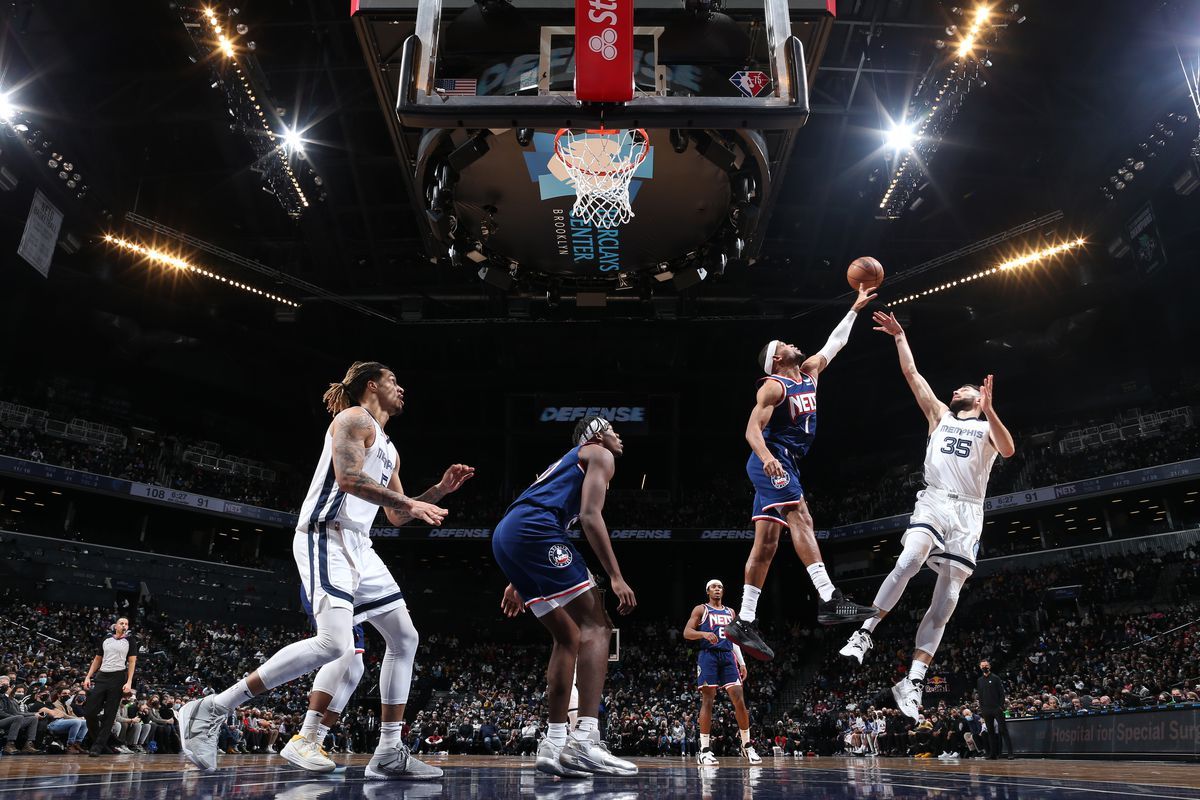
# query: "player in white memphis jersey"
[[345, 582], [947, 520]]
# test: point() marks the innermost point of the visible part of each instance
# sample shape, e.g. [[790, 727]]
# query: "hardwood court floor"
[[260, 777]]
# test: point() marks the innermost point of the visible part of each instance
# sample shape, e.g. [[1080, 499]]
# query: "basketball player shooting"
[[781, 429], [345, 579], [549, 576], [719, 664], [947, 521]]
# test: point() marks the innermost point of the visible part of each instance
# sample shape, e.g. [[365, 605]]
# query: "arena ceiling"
[[1071, 90]]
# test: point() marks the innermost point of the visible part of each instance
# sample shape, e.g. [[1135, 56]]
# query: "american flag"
[[456, 86]]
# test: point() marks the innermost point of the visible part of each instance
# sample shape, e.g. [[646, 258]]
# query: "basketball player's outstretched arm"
[[453, 479], [352, 429], [770, 394], [841, 334], [692, 631], [1001, 437], [599, 466], [930, 405]]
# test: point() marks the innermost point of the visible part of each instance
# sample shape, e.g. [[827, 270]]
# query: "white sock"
[[309, 729], [917, 671], [389, 735], [233, 697], [749, 602], [745, 737], [871, 624], [583, 730], [557, 733], [322, 732], [704, 741], [820, 579]]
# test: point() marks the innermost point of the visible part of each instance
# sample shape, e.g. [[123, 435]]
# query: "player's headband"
[[594, 428], [712, 583], [769, 361]]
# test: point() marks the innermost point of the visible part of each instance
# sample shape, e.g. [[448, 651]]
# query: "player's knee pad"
[[913, 556], [334, 637], [396, 627]]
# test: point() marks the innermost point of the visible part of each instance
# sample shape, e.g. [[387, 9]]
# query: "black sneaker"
[[746, 636], [839, 609]]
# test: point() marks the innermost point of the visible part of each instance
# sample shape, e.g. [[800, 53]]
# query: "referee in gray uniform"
[[115, 662]]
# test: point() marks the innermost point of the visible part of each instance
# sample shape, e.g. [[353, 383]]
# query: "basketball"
[[864, 270]]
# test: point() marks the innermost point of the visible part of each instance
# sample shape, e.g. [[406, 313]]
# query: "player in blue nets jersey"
[[781, 429], [549, 578], [965, 437], [719, 664]]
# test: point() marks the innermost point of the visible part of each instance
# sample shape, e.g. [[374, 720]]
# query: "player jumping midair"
[[782, 427], [947, 521]]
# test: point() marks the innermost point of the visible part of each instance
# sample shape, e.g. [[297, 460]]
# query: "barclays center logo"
[[548, 172]]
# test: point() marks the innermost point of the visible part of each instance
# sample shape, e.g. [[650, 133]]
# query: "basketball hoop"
[[600, 164]]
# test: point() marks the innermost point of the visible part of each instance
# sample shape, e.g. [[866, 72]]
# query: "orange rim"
[[628, 167]]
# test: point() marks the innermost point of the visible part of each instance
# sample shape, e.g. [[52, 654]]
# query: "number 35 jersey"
[[960, 455]]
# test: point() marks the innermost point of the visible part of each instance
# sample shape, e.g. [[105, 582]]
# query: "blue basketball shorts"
[[774, 498], [536, 555], [717, 668]]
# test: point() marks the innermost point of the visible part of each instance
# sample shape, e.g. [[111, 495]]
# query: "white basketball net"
[[600, 165]]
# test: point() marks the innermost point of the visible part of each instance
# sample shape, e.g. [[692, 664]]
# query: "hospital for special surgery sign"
[[41, 233]]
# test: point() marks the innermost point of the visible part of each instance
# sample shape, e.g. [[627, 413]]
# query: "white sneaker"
[[751, 755], [122, 749], [589, 756], [705, 758], [396, 763], [858, 645], [307, 755], [548, 754], [199, 725], [908, 698]]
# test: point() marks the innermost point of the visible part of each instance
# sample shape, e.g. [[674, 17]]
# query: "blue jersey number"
[[957, 447]]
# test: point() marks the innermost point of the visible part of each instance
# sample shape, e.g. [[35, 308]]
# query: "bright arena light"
[[7, 109], [981, 17], [901, 137], [1004, 266], [292, 140], [168, 260]]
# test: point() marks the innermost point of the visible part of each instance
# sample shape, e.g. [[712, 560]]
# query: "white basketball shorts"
[[338, 565], [953, 522]]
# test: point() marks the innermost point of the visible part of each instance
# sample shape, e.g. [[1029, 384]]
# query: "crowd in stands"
[[720, 499], [1115, 642], [147, 460], [1121, 640]]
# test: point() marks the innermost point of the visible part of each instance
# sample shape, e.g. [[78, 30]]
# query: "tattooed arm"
[[352, 430], [456, 475]]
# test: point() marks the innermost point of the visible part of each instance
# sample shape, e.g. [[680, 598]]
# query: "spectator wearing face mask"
[[15, 721], [990, 689], [54, 720]]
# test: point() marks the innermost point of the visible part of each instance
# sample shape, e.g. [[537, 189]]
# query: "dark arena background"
[[209, 212]]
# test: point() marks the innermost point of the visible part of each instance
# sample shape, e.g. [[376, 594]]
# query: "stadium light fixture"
[[901, 137], [7, 109], [1004, 266], [292, 141], [166, 259]]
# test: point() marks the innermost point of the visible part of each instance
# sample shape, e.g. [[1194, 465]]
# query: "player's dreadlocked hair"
[[340, 396]]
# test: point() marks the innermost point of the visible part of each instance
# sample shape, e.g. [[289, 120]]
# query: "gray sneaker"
[[199, 725], [548, 761], [396, 763], [593, 757]]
